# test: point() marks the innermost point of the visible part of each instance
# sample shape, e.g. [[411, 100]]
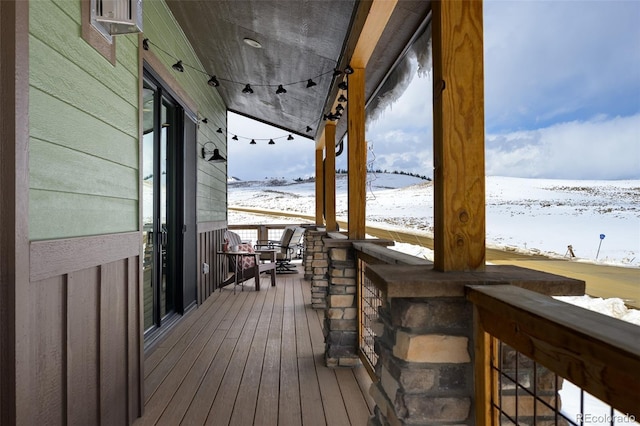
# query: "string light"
[[271, 140], [235, 137], [178, 66], [215, 81]]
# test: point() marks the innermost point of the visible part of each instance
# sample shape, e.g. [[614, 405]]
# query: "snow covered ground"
[[540, 216]]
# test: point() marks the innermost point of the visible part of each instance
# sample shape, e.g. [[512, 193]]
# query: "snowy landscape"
[[600, 220], [538, 216]]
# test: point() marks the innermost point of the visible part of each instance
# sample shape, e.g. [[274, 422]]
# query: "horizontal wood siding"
[[84, 329], [162, 30], [83, 129], [210, 240]]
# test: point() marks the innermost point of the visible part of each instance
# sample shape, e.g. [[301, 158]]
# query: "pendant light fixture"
[[310, 83], [280, 90], [247, 89], [178, 66], [216, 157], [213, 81]]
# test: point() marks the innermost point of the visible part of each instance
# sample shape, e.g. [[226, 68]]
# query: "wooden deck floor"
[[252, 358]]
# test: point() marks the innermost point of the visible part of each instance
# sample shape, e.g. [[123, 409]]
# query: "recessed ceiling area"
[[300, 40], [271, 43]]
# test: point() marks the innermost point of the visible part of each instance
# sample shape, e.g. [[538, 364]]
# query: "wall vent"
[[113, 17]]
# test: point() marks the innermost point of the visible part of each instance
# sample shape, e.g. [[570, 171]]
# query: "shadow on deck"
[[252, 358]]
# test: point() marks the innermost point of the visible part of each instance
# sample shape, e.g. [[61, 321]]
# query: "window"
[[102, 19]]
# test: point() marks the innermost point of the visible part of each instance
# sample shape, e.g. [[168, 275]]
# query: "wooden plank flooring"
[[252, 358]]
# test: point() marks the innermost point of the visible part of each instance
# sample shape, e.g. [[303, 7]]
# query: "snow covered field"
[[540, 216]]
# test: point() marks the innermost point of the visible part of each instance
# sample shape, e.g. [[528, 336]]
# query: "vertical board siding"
[[83, 308], [209, 244], [113, 343], [46, 357], [135, 340], [85, 354]]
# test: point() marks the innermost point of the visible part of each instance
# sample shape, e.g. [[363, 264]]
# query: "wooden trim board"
[[58, 257]]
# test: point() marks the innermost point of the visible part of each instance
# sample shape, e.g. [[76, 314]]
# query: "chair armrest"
[[271, 253]]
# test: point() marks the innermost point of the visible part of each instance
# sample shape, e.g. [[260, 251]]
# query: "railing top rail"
[[598, 353], [267, 225], [389, 256]]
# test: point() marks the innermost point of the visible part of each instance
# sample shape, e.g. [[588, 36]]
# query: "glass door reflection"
[[160, 133]]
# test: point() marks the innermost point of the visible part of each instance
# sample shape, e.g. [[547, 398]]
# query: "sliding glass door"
[[160, 204]]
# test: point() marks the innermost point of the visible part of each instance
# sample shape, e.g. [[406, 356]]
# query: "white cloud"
[[596, 149]]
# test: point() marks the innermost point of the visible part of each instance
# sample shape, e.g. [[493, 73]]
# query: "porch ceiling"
[[300, 40]]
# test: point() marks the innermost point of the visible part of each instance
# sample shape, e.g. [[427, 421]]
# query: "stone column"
[[425, 362], [341, 313], [316, 266], [425, 351]]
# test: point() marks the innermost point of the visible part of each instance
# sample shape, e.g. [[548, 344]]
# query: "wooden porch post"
[[458, 113], [319, 186], [357, 154], [14, 212], [330, 176]]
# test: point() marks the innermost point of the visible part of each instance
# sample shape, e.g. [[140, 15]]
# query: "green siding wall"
[[83, 115], [162, 29]]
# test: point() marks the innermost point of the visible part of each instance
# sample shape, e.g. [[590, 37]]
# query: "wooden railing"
[[271, 231], [599, 354]]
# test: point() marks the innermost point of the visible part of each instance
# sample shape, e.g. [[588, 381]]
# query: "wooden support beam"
[[483, 374], [319, 187], [458, 112], [357, 154], [330, 176], [375, 24]]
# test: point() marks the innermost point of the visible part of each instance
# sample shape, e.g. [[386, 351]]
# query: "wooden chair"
[[247, 265]]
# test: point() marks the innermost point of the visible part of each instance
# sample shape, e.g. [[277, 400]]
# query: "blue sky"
[[562, 100]]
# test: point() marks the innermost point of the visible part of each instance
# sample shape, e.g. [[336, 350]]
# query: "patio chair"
[[246, 266], [297, 242], [283, 249]]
